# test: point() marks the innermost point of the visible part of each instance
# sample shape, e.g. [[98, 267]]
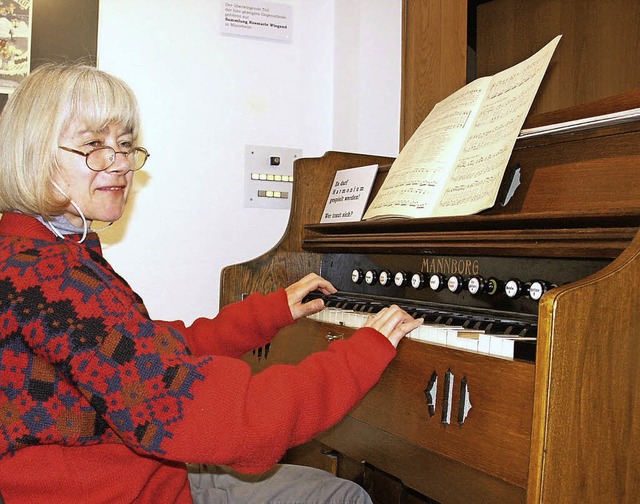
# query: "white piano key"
[[452, 338], [420, 333], [334, 315], [345, 318], [501, 345], [495, 345], [470, 339], [484, 342], [508, 346], [355, 319], [437, 334]]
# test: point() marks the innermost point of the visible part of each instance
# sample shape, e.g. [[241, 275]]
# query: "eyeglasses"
[[103, 157]]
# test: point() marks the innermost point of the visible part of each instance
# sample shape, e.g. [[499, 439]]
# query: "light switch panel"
[[268, 176]]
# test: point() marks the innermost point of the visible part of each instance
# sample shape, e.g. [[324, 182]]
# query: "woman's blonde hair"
[[35, 116]]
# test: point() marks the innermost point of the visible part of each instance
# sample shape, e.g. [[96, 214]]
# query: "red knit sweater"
[[99, 403]]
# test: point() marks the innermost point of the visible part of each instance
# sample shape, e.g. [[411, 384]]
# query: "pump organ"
[[554, 272]]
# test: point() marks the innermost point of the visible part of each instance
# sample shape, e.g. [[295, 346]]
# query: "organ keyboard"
[[522, 385], [498, 319], [491, 337]]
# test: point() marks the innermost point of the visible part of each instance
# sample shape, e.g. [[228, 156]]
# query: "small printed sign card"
[[257, 18], [349, 194]]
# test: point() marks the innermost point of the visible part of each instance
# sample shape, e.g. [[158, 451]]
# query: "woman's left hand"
[[297, 292]]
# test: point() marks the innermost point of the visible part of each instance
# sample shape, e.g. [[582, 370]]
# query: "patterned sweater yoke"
[[80, 361]]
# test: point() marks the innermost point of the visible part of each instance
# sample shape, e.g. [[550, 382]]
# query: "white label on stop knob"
[[511, 288], [536, 291], [453, 284]]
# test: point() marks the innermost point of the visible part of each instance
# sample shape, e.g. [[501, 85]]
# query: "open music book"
[[454, 162]]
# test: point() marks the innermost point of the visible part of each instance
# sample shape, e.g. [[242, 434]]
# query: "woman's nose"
[[121, 163]]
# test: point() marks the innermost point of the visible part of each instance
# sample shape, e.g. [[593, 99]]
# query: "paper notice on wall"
[[255, 18]]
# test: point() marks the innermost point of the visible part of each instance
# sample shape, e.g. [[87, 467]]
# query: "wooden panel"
[[579, 173], [441, 479], [584, 242], [624, 101], [494, 438], [587, 425], [597, 56], [434, 57]]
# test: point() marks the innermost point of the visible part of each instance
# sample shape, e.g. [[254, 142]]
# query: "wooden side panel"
[[586, 433], [597, 56]]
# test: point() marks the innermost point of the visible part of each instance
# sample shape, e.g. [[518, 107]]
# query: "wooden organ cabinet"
[[558, 419]]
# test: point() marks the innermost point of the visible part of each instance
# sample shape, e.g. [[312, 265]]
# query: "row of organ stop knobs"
[[476, 285]]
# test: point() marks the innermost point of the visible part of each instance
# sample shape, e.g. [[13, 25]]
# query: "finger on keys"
[[296, 293], [394, 323], [313, 282]]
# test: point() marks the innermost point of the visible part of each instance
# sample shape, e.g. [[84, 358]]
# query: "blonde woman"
[[100, 403]]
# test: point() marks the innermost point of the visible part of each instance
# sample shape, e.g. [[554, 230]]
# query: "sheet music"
[[422, 167], [478, 170], [454, 162]]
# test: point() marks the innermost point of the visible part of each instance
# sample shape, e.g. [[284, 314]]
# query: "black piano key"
[[479, 325], [524, 350]]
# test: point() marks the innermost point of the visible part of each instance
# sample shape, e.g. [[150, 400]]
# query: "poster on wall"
[[15, 42], [258, 19]]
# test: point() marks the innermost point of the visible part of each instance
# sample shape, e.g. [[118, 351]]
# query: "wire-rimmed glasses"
[[103, 157]]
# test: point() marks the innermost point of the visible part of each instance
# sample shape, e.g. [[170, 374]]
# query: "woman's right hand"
[[393, 322]]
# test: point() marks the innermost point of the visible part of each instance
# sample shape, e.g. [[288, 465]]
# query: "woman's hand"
[[394, 323], [297, 292]]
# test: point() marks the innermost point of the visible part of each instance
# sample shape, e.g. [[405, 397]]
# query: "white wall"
[[204, 96]]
